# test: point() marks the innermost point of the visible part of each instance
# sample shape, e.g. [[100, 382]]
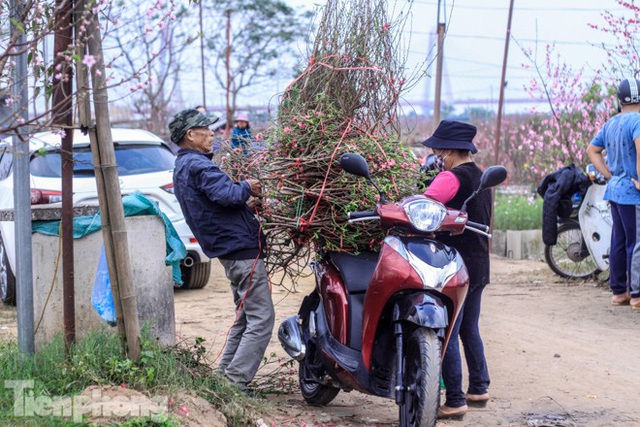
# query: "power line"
[[538, 9], [501, 39], [480, 76], [489, 64], [563, 42]]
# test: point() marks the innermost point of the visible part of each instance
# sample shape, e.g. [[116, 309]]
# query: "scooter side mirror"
[[355, 164], [491, 177], [429, 163]]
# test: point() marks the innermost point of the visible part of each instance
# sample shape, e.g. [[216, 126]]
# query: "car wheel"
[[196, 276], [7, 279]]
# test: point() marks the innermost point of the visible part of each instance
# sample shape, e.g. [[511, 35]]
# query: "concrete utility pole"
[[439, 61], [204, 86], [22, 191], [227, 131], [62, 116], [496, 152]]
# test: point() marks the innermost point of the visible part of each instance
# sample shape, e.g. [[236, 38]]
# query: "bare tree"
[[35, 23], [153, 60], [261, 34], [152, 23]]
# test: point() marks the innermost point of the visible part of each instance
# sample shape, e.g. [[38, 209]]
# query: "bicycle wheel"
[[569, 257]]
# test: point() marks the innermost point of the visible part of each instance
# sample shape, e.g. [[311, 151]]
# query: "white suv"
[[145, 164]]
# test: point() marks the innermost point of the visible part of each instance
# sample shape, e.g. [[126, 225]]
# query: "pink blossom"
[[61, 132], [89, 61]]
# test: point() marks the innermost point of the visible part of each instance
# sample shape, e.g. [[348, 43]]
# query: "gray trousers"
[[250, 334]]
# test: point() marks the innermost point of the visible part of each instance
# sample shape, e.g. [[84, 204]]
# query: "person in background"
[[620, 137], [452, 143], [241, 137], [217, 211]]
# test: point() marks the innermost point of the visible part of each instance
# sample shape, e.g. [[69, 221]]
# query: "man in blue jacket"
[[216, 210]]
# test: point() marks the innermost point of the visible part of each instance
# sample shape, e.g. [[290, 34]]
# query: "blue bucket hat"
[[189, 119], [452, 135]]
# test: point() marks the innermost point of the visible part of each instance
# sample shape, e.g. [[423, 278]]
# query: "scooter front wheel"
[[422, 367], [569, 257]]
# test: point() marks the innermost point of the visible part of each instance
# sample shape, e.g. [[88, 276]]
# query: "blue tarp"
[[134, 204]]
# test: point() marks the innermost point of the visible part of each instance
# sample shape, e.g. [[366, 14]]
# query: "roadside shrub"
[[97, 360], [517, 212]]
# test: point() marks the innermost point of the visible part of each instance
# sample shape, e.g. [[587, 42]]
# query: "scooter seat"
[[356, 270]]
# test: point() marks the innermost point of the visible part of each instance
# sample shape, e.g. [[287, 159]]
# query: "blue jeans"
[[466, 327], [624, 255]]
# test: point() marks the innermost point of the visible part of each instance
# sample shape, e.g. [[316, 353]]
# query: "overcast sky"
[[474, 45]]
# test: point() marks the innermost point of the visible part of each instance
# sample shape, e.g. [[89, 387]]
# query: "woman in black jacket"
[[452, 142]]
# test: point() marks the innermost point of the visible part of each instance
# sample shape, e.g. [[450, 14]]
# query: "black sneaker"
[[251, 392]]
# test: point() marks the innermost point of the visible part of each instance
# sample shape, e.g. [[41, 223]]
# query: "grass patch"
[[96, 360], [517, 212]]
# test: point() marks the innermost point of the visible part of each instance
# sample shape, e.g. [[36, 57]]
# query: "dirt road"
[[558, 354]]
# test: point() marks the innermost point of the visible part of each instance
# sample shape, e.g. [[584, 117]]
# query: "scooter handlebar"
[[362, 216], [478, 226]]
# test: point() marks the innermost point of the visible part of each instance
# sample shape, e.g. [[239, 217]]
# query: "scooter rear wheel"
[[569, 257], [422, 367], [313, 392]]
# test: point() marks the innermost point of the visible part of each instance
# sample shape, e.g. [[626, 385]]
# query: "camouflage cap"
[[189, 119]]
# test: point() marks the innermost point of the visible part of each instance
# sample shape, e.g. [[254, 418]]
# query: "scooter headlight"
[[425, 214]]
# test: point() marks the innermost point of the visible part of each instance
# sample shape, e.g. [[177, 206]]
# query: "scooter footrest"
[[349, 363]]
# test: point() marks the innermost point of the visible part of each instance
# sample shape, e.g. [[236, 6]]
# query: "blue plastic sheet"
[[101, 296]]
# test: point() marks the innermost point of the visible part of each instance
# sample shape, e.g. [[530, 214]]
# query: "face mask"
[[439, 163]]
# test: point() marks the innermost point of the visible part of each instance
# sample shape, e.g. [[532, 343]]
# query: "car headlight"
[[425, 214]]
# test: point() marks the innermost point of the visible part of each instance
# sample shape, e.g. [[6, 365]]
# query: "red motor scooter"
[[379, 322]]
